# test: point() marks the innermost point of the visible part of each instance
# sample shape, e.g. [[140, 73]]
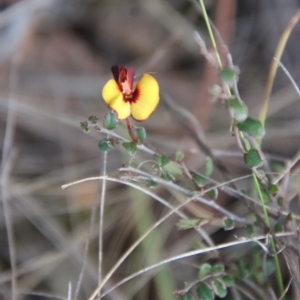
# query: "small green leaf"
[[105, 145], [187, 297], [130, 147], [252, 127], [189, 223], [199, 179], [166, 175], [204, 292], [252, 158], [280, 201], [110, 121], [140, 133], [151, 183], [228, 280], [244, 269], [93, 119], [265, 197], [161, 160], [179, 155], [278, 228], [173, 168], [219, 287], [84, 126], [217, 268], [249, 230], [212, 194], [228, 74], [228, 224], [239, 108], [209, 166], [273, 189], [205, 269], [270, 267]]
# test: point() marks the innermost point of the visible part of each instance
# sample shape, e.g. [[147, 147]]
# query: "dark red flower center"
[[124, 80]]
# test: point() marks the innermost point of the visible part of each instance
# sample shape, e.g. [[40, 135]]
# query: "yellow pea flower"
[[126, 98]]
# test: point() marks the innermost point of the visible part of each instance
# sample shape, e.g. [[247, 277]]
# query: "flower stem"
[[131, 132]]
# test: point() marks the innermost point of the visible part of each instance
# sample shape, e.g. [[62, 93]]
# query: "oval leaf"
[[252, 158], [93, 119], [187, 297], [110, 121], [218, 268], [199, 179], [228, 224], [239, 108], [209, 166], [105, 145], [228, 75], [130, 147], [228, 280], [161, 160], [252, 127], [273, 189], [179, 155], [219, 288], [205, 269], [140, 133], [204, 292], [212, 194]]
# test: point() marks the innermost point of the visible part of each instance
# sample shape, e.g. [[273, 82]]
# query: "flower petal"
[[147, 92], [114, 99]]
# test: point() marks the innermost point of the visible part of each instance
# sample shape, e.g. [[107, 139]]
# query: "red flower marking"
[[124, 80]]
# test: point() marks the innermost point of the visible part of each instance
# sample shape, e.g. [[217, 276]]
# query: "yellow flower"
[[126, 98]]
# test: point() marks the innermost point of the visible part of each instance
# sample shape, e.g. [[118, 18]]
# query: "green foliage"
[[105, 144], [209, 166], [212, 194], [190, 223], [252, 127], [179, 155], [204, 292], [84, 126], [151, 183], [228, 224], [205, 269], [239, 108], [140, 133], [273, 189], [110, 121], [187, 297], [228, 280], [161, 160], [217, 268], [199, 179], [130, 147], [229, 75], [93, 119], [219, 287], [166, 175], [252, 158]]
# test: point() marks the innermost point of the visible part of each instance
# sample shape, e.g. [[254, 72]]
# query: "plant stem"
[[272, 242], [266, 217], [131, 132]]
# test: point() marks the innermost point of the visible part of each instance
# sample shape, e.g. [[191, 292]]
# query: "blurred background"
[[55, 57]]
